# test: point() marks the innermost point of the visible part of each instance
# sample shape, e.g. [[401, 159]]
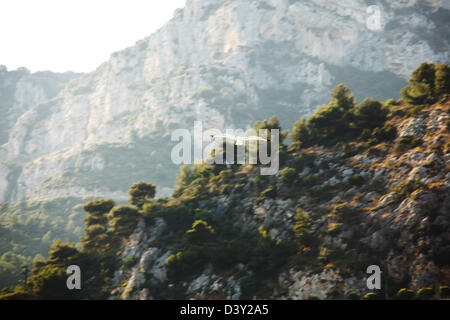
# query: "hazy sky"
[[75, 35]]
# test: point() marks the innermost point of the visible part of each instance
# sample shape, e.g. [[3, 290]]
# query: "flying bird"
[[239, 140]]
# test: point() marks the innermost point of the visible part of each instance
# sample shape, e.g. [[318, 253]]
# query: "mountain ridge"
[[376, 194]]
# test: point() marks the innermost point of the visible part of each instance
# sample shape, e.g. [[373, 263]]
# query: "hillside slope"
[[226, 63], [362, 184], [311, 232]]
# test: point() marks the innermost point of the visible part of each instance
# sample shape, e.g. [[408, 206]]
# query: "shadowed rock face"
[[227, 63]]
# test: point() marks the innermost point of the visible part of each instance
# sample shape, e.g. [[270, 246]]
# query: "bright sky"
[[75, 35]]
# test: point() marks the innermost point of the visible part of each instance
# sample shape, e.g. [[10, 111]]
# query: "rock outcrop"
[[378, 206]]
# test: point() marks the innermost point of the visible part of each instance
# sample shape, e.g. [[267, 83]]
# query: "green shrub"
[[123, 220], [354, 296], [407, 142], [302, 223], [226, 255], [381, 134], [370, 114], [270, 192], [356, 180], [140, 193], [184, 265], [405, 294], [444, 291], [288, 175], [99, 207], [429, 83], [129, 262], [303, 160], [268, 255], [200, 233], [372, 296], [404, 190], [307, 181], [345, 213], [178, 217], [425, 293], [329, 124], [205, 215]]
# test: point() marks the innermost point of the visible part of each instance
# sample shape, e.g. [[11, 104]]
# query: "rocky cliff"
[[227, 63], [344, 208], [360, 185]]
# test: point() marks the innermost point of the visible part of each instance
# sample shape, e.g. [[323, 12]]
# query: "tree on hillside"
[[140, 193], [370, 114], [96, 225], [429, 83]]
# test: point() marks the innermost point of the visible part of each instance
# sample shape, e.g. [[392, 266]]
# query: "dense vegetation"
[[198, 236], [28, 229]]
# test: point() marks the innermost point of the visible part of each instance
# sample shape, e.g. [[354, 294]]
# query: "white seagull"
[[239, 140]]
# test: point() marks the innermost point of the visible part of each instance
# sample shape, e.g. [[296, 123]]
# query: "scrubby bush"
[[271, 124], [129, 262], [201, 233], [301, 136], [444, 291], [226, 255], [303, 160], [429, 83], [405, 294], [270, 192], [205, 215], [184, 178], [307, 181], [407, 142], [99, 207], [288, 175], [123, 220], [370, 114], [372, 296], [356, 180], [96, 225], [381, 134], [178, 217], [403, 190], [354, 296], [302, 223], [329, 123], [425, 293], [442, 81], [268, 255], [183, 265], [345, 213], [140, 193]]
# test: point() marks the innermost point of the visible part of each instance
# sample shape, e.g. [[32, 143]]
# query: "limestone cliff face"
[[403, 232], [20, 91], [227, 63]]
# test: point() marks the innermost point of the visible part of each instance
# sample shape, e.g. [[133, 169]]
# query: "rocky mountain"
[[226, 63], [361, 185], [311, 231], [20, 91]]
